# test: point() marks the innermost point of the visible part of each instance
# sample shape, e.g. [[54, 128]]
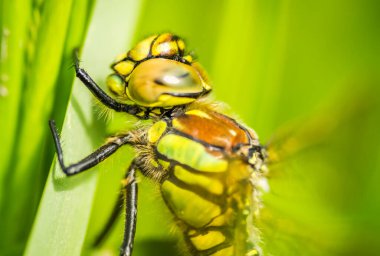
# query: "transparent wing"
[[319, 127], [321, 179]]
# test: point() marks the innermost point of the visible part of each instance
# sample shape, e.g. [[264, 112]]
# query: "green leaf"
[[14, 26], [42, 49], [61, 224]]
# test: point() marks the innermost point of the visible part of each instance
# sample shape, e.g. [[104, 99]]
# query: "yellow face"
[[157, 73]]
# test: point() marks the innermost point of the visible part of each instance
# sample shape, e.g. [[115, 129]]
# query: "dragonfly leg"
[[130, 190], [99, 93], [91, 160]]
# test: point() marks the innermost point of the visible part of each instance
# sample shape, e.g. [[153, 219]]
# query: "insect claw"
[[76, 58]]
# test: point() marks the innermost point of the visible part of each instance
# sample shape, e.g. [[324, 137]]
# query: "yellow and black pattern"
[[157, 46], [157, 75], [208, 165], [209, 187]]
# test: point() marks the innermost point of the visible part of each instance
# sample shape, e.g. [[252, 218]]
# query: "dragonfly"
[[211, 168]]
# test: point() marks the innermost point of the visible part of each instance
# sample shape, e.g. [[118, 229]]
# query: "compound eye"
[[164, 82], [177, 76]]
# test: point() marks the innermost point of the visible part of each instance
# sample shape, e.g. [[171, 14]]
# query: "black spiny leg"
[[93, 159], [100, 94], [131, 190]]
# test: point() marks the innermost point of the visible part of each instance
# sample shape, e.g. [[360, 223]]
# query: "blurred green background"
[[310, 66]]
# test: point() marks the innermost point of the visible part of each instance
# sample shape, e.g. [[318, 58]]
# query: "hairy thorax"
[[208, 166]]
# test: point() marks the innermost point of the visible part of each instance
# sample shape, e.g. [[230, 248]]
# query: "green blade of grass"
[[250, 58], [14, 26], [39, 36], [80, 16], [65, 209], [47, 30]]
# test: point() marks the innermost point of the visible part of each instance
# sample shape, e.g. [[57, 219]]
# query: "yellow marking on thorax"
[[191, 153], [156, 111], [164, 163], [156, 131], [207, 241], [153, 163]]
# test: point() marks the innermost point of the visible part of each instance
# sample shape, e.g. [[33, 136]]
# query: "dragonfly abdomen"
[[212, 216], [199, 207]]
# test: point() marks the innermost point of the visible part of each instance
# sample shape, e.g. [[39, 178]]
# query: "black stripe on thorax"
[[187, 167], [219, 200]]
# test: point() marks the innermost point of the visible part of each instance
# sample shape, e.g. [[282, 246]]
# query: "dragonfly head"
[[158, 73]]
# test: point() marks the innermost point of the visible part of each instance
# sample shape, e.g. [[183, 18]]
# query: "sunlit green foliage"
[[273, 62]]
